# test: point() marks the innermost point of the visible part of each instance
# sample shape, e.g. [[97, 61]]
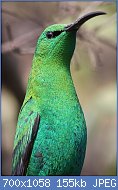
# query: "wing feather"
[[24, 141]]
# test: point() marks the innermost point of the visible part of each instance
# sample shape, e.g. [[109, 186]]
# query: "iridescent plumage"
[[51, 131]]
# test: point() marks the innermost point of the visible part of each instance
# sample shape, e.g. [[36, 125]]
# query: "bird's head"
[[58, 41]]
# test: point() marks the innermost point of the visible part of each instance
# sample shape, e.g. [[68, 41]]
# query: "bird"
[[51, 132]]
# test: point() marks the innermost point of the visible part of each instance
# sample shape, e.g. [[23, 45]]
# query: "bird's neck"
[[51, 79]]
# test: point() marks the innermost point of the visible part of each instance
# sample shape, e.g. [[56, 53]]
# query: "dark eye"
[[49, 35], [53, 34]]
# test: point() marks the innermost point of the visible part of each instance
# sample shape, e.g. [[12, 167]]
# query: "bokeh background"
[[93, 70]]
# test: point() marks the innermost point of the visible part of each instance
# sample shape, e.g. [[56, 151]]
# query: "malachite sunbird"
[[51, 131]]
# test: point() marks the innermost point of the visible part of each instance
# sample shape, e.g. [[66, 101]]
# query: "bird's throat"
[[52, 81]]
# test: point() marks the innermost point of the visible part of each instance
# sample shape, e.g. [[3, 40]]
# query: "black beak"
[[77, 24]]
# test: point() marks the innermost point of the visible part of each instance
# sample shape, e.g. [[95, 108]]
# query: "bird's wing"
[[24, 139]]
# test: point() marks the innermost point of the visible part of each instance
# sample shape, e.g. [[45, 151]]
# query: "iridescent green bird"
[[51, 132]]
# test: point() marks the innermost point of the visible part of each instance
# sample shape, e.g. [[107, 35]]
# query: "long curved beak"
[[77, 24]]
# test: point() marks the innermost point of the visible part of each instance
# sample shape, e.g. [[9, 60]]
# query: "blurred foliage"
[[93, 71]]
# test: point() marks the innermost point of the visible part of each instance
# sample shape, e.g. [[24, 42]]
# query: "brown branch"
[[90, 37], [9, 32], [20, 41], [94, 44], [16, 15], [13, 14], [29, 50]]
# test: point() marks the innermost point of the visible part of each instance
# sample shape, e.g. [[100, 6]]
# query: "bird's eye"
[[49, 35], [53, 34]]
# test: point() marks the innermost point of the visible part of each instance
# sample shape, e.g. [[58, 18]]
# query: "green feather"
[[51, 131], [60, 143]]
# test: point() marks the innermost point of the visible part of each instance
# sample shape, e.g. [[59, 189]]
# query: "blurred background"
[[93, 70]]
